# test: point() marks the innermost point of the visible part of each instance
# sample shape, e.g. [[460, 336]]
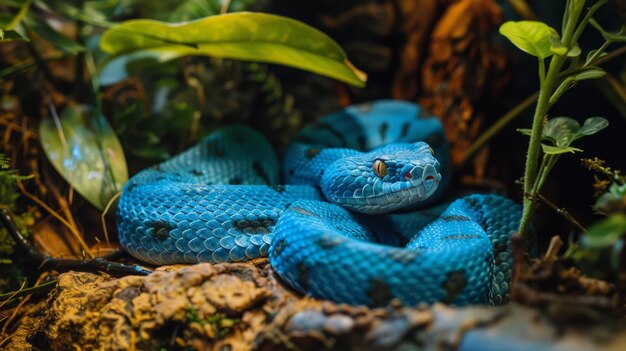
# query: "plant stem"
[[534, 146], [546, 90]]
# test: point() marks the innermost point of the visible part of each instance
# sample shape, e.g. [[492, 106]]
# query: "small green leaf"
[[86, 152], [590, 73], [560, 130], [525, 131], [606, 232], [243, 35], [557, 47], [556, 150], [561, 89], [575, 51], [593, 52], [533, 37], [592, 125]]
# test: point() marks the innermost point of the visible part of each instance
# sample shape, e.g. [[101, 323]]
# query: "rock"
[[241, 307]]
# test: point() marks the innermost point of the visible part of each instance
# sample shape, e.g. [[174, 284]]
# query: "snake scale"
[[345, 225]]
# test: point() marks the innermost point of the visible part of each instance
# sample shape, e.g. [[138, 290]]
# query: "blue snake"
[[353, 222]]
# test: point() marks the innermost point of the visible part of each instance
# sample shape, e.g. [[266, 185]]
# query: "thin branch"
[[563, 212], [59, 264]]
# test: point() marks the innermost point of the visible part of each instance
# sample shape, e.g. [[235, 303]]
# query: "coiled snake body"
[[333, 230]]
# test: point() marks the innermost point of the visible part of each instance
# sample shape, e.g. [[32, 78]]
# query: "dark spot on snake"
[[434, 140], [462, 236], [303, 276], [333, 131], [328, 241], [197, 172], [380, 293], [235, 181], [278, 188], [159, 178], [403, 255], [405, 129], [131, 186], [455, 218], [292, 171], [161, 229], [454, 285], [260, 226], [312, 152], [279, 247], [472, 202], [321, 172], [361, 141], [214, 148], [383, 131], [258, 169], [303, 211]]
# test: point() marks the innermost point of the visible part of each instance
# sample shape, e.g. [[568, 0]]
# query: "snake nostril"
[[430, 177]]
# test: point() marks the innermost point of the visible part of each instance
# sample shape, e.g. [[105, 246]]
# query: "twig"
[[104, 213], [57, 216], [8, 296], [563, 212], [556, 244], [47, 286], [59, 264]]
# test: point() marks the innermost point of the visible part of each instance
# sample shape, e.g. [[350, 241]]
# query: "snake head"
[[383, 180]]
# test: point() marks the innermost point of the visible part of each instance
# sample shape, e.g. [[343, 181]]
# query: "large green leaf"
[[244, 36], [533, 37], [86, 152]]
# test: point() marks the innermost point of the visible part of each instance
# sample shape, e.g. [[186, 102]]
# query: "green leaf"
[[592, 125], [590, 73], [560, 130], [557, 150], [574, 51], [533, 37], [244, 36], [557, 47], [86, 152], [561, 89], [606, 232], [593, 52]]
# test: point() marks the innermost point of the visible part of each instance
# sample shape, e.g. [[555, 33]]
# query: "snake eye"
[[380, 168]]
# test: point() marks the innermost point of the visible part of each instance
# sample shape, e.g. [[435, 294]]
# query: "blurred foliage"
[[600, 251], [9, 195]]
